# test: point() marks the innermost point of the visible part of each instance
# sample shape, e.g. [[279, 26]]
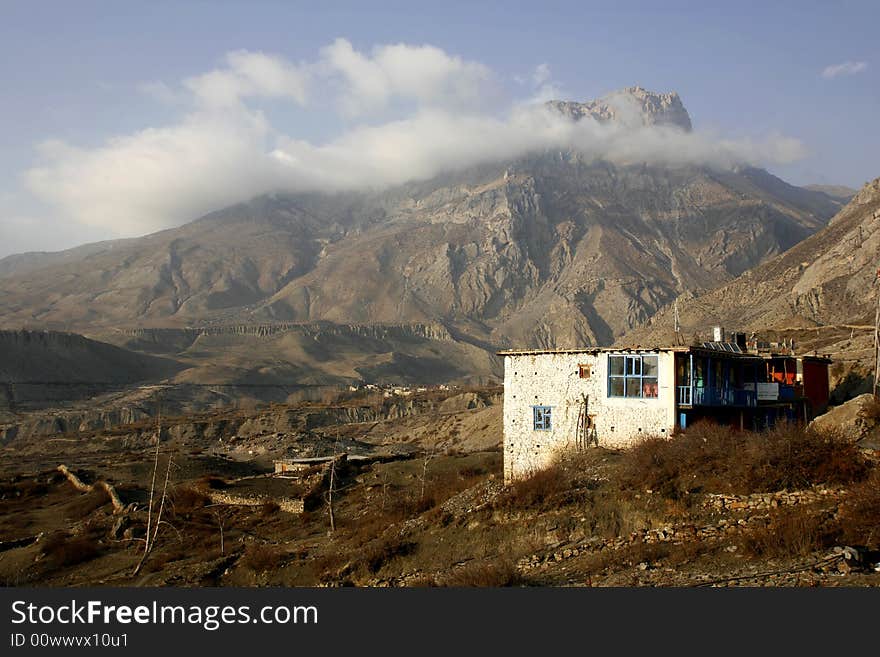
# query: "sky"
[[118, 119]]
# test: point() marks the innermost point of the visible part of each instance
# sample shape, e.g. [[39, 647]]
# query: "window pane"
[[615, 387], [541, 418], [615, 365], [649, 387], [649, 366], [634, 387]]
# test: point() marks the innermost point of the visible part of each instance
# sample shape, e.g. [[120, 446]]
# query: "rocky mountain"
[[828, 280], [633, 105], [551, 250]]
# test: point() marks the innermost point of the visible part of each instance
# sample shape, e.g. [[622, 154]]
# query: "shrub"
[[384, 550], [719, 459], [85, 503], [185, 499], [260, 558], [214, 482], [793, 532], [62, 550], [484, 574], [860, 514], [870, 411]]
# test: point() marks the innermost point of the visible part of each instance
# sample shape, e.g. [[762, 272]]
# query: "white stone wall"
[[553, 380]]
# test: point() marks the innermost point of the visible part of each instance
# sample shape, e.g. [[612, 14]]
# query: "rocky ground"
[[420, 502]]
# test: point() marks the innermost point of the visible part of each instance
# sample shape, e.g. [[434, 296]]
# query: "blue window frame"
[[542, 418], [632, 376]]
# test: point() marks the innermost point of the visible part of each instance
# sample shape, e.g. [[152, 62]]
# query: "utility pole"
[[876, 388]]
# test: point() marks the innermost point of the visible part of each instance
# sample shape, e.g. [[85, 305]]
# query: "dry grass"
[[488, 574], [61, 550], [260, 558], [185, 499], [84, 504], [710, 458], [214, 482], [793, 532], [860, 514], [567, 480], [871, 411]]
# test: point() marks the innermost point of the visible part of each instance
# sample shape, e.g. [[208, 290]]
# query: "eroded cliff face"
[[182, 422], [827, 280], [50, 357]]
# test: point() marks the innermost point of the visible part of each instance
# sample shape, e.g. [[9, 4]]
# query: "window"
[[542, 418], [584, 371], [632, 376]]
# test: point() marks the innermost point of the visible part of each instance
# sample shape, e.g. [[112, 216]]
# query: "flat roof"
[[586, 350], [633, 349]]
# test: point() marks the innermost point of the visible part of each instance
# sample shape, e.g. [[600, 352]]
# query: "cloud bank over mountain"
[[409, 112]]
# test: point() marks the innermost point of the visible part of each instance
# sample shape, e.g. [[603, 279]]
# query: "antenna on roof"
[[679, 341]]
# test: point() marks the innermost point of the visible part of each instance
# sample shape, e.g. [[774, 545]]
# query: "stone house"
[[565, 399]]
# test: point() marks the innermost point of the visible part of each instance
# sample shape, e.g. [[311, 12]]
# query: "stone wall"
[[287, 504], [553, 380]]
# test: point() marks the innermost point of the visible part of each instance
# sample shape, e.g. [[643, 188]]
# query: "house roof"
[[590, 350]]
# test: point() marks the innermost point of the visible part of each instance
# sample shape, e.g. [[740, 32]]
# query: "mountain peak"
[[633, 106]]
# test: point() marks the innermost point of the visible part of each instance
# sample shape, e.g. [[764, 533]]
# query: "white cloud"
[[436, 141], [846, 68], [223, 149], [250, 74], [542, 84], [541, 74], [424, 74], [158, 177]]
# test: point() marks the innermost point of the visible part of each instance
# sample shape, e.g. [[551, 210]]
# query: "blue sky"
[[93, 79]]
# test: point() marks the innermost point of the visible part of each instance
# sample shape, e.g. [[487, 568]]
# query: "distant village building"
[[564, 399]]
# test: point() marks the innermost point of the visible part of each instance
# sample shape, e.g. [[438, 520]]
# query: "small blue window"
[[542, 418]]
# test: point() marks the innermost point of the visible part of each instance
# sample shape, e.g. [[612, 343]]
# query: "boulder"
[[852, 418]]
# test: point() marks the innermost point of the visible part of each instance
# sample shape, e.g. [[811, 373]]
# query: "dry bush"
[[792, 457], [23, 489], [269, 508], [487, 574], [214, 482], [330, 567], [84, 504], [567, 480], [62, 550], [710, 458], [260, 558], [871, 411], [160, 559], [537, 490], [384, 550], [185, 499], [859, 516], [628, 556], [793, 532]]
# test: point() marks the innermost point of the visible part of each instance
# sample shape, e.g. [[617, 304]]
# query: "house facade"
[[559, 400]]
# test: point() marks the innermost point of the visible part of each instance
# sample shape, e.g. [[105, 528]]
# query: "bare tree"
[[220, 515], [150, 538], [426, 459]]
